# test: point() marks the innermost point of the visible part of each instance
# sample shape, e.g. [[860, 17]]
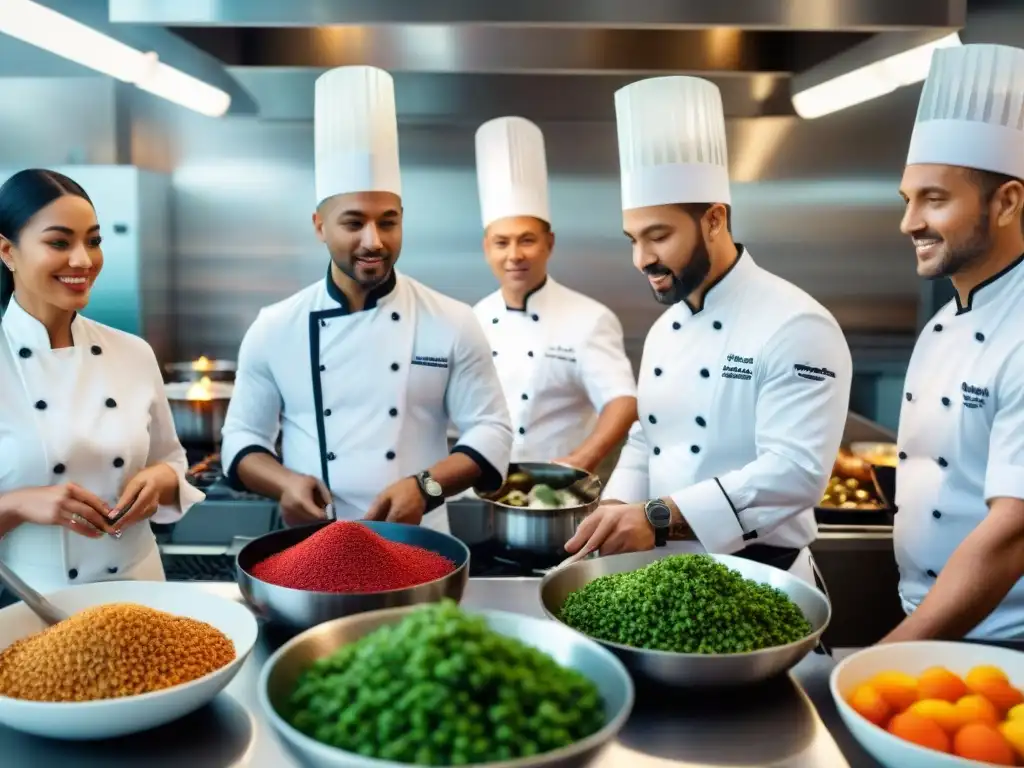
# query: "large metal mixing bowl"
[[543, 531], [299, 609], [568, 648], [698, 669]]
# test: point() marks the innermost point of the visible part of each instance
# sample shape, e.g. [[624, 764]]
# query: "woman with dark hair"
[[88, 451]]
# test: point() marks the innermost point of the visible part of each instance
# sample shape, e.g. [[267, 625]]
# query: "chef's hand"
[[68, 505], [612, 529], [141, 495], [304, 500], [400, 502]]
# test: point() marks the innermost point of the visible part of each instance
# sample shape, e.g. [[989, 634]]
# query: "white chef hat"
[[511, 170], [355, 132], [671, 142], [971, 111]]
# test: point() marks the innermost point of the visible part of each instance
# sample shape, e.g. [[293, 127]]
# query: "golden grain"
[[118, 649]]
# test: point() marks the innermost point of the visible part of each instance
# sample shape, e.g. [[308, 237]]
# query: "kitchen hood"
[[559, 60]]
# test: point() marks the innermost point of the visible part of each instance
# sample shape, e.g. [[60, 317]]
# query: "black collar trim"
[[962, 309], [740, 250], [526, 298], [372, 297]]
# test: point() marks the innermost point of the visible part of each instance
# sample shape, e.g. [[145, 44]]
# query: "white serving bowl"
[[913, 658], [107, 718]]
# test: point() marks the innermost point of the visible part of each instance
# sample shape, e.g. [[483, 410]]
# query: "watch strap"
[[433, 502]]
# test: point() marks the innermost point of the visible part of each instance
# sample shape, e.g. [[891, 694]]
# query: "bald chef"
[[559, 354], [959, 534], [745, 380], [362, 371]]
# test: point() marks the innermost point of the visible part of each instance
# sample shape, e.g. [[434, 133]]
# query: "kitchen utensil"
[[543, 531], [696, 669], [299, 609], [282, 669], [199, 421], [913, 658], [196, 370], [39, 605], [108, 718]]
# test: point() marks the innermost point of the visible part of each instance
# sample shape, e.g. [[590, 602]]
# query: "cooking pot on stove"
[[542, 531], [198, 409], [200, 368]]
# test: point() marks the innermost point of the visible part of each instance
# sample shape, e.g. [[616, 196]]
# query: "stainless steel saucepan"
[[198, 410], [536, 530]]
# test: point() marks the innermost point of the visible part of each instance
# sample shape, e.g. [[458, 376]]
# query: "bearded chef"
[[559, 354], [361, 371], [88, 452], [959, 534], [745, 380]]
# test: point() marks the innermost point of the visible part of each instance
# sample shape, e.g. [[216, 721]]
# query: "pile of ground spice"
[[109, 651], [349, 557]]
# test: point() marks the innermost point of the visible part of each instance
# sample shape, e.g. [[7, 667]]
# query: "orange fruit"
[[1017, 713], [899, 690], [940, 683], [867, 703], [910, 726], [1013, 732], [983, 743], [977, 709], [940, 712], [980, 677]]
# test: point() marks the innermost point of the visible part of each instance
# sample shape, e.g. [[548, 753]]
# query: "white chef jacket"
[[961, 438], [363, 399], [560, 360], [94, 414], [742, 407]]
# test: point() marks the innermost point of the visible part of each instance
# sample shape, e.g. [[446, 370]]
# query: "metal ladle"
[[40, 606]]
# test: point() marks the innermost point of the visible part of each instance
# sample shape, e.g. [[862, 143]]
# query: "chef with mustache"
[[568, 384], [360, 372], [959, 534], [744, 384]]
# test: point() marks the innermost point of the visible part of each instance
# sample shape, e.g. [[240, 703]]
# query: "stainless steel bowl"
[[697, 669], [299, 609], [571, 649], [543, 531]]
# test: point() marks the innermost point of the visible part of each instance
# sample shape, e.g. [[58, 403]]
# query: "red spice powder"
[[350, 557]]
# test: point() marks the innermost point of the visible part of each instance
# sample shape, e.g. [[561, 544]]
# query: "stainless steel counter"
[[790, 723]]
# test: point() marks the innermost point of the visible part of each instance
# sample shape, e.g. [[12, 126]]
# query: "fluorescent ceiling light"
[[54, 32], [870, 81]]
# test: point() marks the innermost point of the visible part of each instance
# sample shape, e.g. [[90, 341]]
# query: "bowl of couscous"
[[132, 655]]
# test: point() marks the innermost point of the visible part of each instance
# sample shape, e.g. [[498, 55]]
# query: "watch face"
[[433, 487], [659, 514]]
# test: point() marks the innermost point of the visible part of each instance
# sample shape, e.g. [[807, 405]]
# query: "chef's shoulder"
[[119, 347], [489, 306], [442, 311], [280, 318], [585, 312], [782, 305]]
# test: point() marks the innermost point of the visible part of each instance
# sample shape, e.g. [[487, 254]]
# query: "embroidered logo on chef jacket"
[[430, 362], [558, 352], [974, 397], [738, 367], [814, 374]]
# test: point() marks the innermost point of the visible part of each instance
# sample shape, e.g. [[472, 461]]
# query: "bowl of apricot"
[[934, 704]]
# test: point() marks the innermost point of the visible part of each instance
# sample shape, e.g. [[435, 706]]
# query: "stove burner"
[[491, 558]]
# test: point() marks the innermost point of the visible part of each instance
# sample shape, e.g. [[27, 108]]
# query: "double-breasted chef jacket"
[[363, 399], [94, 414], [961, 437], [560, 360], [742, 406]]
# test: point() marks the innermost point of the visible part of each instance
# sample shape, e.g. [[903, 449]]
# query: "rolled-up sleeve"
[[802, 402], [1004, 476], [630, 481], [476, 405], [604, 367], [253, 420], [164, 447]]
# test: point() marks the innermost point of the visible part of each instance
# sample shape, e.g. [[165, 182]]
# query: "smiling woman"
[[86, 453]]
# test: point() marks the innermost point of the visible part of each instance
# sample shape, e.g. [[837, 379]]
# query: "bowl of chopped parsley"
[[689, 619]]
